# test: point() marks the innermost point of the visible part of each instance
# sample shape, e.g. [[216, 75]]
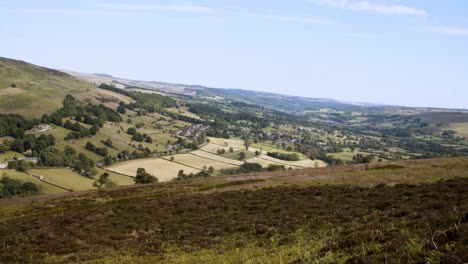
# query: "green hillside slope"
[[32, 91]]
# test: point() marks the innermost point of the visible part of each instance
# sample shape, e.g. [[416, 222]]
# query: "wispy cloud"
[[453, 31], [158, 8], [59, 11], [293, 19], [368, 6]]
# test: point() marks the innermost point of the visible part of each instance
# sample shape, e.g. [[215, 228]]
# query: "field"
[[184, 111], [215, 157], [199, 162], [235, 154], [460, 128], [65, 178], [213, 148], [119, 179], [263, 159], [237, 144], [163, 169], [403, 212], [272, 148], [301, 164], [10, 155], [44, 188], [345, 155]]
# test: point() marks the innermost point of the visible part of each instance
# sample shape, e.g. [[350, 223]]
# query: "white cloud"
[[368, 6], [453, 31], [158, 8], [59, 11], [294, 19]]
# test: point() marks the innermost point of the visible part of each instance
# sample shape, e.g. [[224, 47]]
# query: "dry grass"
[[213, 148], [215, 157], [163, 169], [65, 178], [44, 188], [200, 162]]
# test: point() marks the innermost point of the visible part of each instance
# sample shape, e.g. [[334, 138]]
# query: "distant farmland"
[[164, 170]]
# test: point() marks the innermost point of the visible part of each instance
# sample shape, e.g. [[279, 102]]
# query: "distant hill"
[[270, 100], [32, 91]]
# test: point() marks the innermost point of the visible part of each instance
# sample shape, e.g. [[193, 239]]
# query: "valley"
[[114, 170]]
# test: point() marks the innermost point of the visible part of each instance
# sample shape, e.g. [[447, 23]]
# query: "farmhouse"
[[32, 160]]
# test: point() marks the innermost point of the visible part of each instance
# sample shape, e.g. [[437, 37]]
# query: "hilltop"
[[31, 91]]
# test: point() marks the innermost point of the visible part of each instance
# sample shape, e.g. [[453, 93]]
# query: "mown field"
[[164, 170], [403, 212], [44, 188], [264, 160]]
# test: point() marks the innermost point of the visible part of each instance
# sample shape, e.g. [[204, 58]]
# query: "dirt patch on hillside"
[[11, 91]]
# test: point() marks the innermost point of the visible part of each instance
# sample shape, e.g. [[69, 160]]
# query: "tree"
[[90, 146], [142, 177], [211, 170], [181, 174], [121, 109], [247, 144], [242, 156], [108, 160], [131, 131], [102, 181], [13, 85]]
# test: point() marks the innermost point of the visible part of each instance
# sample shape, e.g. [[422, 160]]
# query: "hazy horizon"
[[408, 53]]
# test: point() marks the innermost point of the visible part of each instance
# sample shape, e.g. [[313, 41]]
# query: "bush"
[[284, 156], [143, 177]]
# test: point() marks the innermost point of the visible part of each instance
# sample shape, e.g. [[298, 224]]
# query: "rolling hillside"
[[32, 91]]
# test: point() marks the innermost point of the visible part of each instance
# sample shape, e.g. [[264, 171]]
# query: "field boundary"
[[46, 182], [125, 175], [213, 159], [164, 158]]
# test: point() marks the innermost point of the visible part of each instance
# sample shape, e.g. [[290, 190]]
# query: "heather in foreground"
[[288, 223]]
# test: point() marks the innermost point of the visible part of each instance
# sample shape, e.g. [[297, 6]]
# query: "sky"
[[399, 52]]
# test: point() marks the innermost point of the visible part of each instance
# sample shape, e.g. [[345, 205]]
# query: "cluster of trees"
[[94, 115], [192, 144], [14, 126], [11, 187], [244, 168], [79, 131], [363, 159], [88, 114], [284, 156], [19, 165], [100, 151], [104, 181], [202, 174], [143, 177], [136, 136], [31, 142], [149, 102]]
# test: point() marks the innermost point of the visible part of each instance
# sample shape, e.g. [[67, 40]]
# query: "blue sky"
[[403, 52]]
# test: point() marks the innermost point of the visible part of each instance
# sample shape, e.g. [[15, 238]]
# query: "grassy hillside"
[[38, 90], [403, 212]]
